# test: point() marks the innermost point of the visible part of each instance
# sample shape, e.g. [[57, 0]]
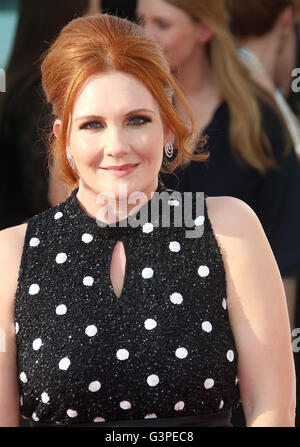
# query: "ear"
[[169, 136], [204, 33], [286, 17], [56, 127]]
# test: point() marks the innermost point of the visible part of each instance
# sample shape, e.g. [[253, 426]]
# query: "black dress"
[[161, 354]]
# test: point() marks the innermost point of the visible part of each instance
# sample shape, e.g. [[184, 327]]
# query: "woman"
[[248, 142], [129, 325]]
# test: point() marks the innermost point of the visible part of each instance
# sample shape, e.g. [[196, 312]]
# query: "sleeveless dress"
[[161, 354]]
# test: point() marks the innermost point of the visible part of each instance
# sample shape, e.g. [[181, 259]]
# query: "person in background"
[[288, 60], [23, 110], [261, 27], [251, 153], [190, 326]]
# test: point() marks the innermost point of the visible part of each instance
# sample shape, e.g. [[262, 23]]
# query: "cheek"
[[84, 149], [150, 147], [180, 46]]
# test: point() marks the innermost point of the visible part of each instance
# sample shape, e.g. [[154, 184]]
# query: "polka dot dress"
[[162, 349]]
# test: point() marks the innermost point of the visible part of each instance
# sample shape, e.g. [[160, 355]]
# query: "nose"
[[116, 144], [149, 28]]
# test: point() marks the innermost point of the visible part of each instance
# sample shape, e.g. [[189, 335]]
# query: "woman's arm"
[[11, 245], [258, 315]]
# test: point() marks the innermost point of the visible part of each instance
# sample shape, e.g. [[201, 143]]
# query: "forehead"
[[113, 91], [160, 9]]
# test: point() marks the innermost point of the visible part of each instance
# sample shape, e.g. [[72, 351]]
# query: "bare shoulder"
[[12, 241], [231, 217], [11, 249]]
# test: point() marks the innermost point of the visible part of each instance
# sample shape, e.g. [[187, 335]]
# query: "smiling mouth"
[[121, 168]]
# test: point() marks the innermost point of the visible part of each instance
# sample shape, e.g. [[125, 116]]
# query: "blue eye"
[[91, 125], [139, 120]]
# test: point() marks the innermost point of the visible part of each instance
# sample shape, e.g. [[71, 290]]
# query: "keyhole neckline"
[[119, 229]]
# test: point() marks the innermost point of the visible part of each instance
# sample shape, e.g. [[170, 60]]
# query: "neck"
[[266, 49], [197, 82], [112, 206], [195, 76]]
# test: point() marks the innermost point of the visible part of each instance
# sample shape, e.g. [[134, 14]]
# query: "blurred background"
[[27, 28]]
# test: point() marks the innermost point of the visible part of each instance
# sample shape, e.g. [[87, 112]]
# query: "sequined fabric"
[[163, 349]]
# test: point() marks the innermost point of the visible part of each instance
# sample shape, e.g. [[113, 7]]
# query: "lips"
[[121, 168]]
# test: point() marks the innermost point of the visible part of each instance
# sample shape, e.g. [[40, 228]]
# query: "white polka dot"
[[150, 324], [64, 363], [236, 380], [58, 215], [94, 386], [122, 354], [125, 405], [147, 273], [173, 203], [87, 238], [176, 298], [199, 221], [99, 419], [45, 398], [61, 309], [209, 383], [203, 271], [23, 377], [72, 413], [34, 289], [61, 258], [181, 353], [153, 380], [174, 246], [37, 343], [224, 304], [206, 326], [34, 242], [88, 281], [91, 330], [21, 400], [34, 417], [230, 355], [17, 327], [148, 227], [221, 405], [150, 416], [179, 406]]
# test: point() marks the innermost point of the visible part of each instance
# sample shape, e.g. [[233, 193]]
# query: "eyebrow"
[[92, 117]]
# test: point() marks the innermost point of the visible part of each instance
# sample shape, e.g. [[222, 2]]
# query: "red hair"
[[102, 43]]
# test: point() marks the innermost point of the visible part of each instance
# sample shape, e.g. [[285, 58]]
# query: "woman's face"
[[116, 135], [172, 28]]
